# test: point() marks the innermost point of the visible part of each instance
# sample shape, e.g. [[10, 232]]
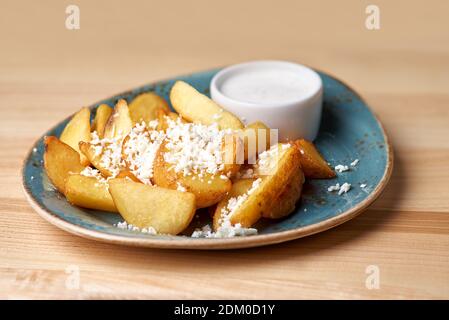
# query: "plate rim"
[[224, 243]]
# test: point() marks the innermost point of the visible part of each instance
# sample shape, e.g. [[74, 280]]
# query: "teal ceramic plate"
[[348, 131]]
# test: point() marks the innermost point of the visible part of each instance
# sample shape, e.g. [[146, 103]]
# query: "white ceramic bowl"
[[284, 95]]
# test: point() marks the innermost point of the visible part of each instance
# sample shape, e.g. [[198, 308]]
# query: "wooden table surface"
[[48, 72]]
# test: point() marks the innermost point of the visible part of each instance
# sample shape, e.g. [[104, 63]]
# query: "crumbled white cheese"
[[345, 187], [334, 188], [153, 124], [355, 162], [363, 185], [180, 187], [226, 229], [112, 157], [204, 232], [341, 168], [34, 150], [140, 150], [127, 226], [91, 172], [269, 158], [194, 148], [110, 152], [149, 230], [96, 143]]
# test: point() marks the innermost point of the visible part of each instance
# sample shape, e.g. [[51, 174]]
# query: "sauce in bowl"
[[265, 86], [284, 95]]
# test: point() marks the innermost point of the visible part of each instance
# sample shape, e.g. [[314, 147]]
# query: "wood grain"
[[47, 72]]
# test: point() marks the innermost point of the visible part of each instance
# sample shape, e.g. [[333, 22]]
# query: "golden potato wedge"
[[95, 159], [145, 107], [312, 162], [101, 118], [206, 193], [60, 161], [196, 107], [285, 203], [88, 192], [78, 129], [274, 178], [119, 123], [167, 211], [239, 188], [252, 135]]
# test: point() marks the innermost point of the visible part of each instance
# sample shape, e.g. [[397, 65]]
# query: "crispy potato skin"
[[167, 211], [196, 107], [78, 129], [145, 107], [119, 123], [312, 162], [206, 194], [285, 203], [88, 192], [60, 160], [101, 118]]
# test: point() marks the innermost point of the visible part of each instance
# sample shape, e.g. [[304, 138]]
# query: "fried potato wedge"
[[254, 134], [206, 193], [88, 192], [145, 107], [312, 162], [101, 118], [78, 129], [95, 159], [274, 177], [60, 161], [197, 107], [167, 211], [119, 123], [285, 203]]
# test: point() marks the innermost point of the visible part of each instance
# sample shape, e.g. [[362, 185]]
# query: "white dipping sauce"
[[265, 86], [285, 96]]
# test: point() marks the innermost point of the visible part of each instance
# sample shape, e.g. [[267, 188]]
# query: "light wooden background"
[[48, 72]]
